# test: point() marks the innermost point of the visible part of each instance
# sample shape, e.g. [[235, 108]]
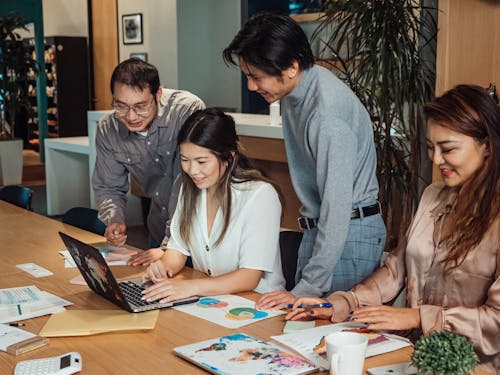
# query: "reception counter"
[[69, 163]]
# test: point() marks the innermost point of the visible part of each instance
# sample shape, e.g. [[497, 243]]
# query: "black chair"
[[84, 218], [289, 249], [19, 195]]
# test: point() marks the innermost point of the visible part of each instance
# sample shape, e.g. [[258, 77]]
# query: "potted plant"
[[377, 47], [444, 353], [17, 67]]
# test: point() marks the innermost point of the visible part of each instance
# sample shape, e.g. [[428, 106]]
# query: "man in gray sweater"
[[331, 156]]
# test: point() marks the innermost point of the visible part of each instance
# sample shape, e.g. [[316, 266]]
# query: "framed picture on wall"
[[132, 28], [139, 55]]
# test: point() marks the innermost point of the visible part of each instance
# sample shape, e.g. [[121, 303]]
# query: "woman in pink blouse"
[[449, 260]]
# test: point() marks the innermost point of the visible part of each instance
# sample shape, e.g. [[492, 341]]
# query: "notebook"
[[97, 274], [243, 355]]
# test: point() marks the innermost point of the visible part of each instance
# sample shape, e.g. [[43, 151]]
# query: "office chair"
[[289, 249], [84, 218], [18, 195]]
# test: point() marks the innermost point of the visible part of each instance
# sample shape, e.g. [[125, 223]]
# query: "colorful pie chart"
[[245, 313], [212, 302]]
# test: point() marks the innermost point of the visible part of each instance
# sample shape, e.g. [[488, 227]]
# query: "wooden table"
[[28, 237]]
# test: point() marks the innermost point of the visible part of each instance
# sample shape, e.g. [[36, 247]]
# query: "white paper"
[[114, 256], [48, 304], [11, 335], [16, 296], [306, 340], [34, 269], [228, 310]]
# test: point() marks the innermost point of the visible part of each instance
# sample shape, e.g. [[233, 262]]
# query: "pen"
[[16, 324], [290, 305]]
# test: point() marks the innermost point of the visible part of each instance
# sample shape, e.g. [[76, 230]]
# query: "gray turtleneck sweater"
[[332, 160]]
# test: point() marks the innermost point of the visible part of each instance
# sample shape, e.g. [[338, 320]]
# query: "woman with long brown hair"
[[449, 260], [227, 217]]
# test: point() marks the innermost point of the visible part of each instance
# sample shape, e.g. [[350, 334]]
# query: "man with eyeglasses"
[[140, 140]]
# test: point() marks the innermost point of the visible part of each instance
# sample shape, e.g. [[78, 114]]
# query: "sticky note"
[[292, 325]]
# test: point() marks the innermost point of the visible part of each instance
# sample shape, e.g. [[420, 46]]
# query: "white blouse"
[[251, 240]]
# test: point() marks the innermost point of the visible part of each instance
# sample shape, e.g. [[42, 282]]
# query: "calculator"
[[65, 364]]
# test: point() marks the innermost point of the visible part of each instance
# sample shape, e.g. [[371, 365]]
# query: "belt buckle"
[[303, 223]]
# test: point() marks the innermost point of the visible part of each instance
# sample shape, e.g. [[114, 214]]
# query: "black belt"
[[308, 223]]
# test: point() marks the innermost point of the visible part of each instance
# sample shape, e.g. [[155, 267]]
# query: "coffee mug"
[[346, 352]]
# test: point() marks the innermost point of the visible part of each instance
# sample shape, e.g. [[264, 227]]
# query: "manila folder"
[[91, 322]]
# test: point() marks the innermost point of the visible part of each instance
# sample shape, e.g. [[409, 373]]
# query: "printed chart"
[[228, 311]]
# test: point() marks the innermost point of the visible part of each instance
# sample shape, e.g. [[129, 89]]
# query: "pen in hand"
[[301, 306]]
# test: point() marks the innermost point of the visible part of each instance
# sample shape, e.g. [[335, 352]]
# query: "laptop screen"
[[94, 270]]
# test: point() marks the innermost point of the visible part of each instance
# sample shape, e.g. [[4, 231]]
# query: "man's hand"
[[275, 300], [146, 257], [115, 234]]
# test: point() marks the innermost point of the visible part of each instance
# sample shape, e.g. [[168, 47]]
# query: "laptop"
[[126, 294]]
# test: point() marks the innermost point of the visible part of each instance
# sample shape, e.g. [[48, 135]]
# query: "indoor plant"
[[17, 66], [377, 48], [444, 353]]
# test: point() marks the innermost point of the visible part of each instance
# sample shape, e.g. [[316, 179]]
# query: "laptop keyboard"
[[133, 293]]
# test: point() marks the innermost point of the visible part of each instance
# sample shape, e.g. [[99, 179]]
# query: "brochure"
[[311, 342], [243, 355]]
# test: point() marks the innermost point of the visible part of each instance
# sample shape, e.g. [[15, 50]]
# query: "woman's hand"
[[169, 290], [310, 312], [388, 317], [275, 300], [157, 272], [146, 257]]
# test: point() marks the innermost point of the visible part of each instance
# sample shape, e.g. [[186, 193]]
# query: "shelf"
[[307, 17]]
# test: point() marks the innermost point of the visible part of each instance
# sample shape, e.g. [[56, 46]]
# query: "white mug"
[[346, 352]]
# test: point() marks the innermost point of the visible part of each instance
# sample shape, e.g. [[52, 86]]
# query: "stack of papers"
[[114, 256], [28, 302], [11, 335]]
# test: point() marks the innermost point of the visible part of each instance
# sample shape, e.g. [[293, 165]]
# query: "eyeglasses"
[[141, 109]]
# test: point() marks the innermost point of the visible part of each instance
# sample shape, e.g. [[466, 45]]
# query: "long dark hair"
[[472, 111], [216, 131]]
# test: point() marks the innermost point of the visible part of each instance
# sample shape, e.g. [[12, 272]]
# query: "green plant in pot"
[[17, 68], [444, 353], [377, 47]]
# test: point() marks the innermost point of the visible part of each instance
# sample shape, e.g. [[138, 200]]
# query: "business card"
[[34, 269]]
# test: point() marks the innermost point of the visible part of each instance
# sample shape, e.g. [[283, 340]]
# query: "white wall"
[[184, 39], [159, 27], [62, 18], [205, 28], [65, 18]]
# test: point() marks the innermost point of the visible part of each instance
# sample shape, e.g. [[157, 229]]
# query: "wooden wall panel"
[[105, 49], [468, 49]]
